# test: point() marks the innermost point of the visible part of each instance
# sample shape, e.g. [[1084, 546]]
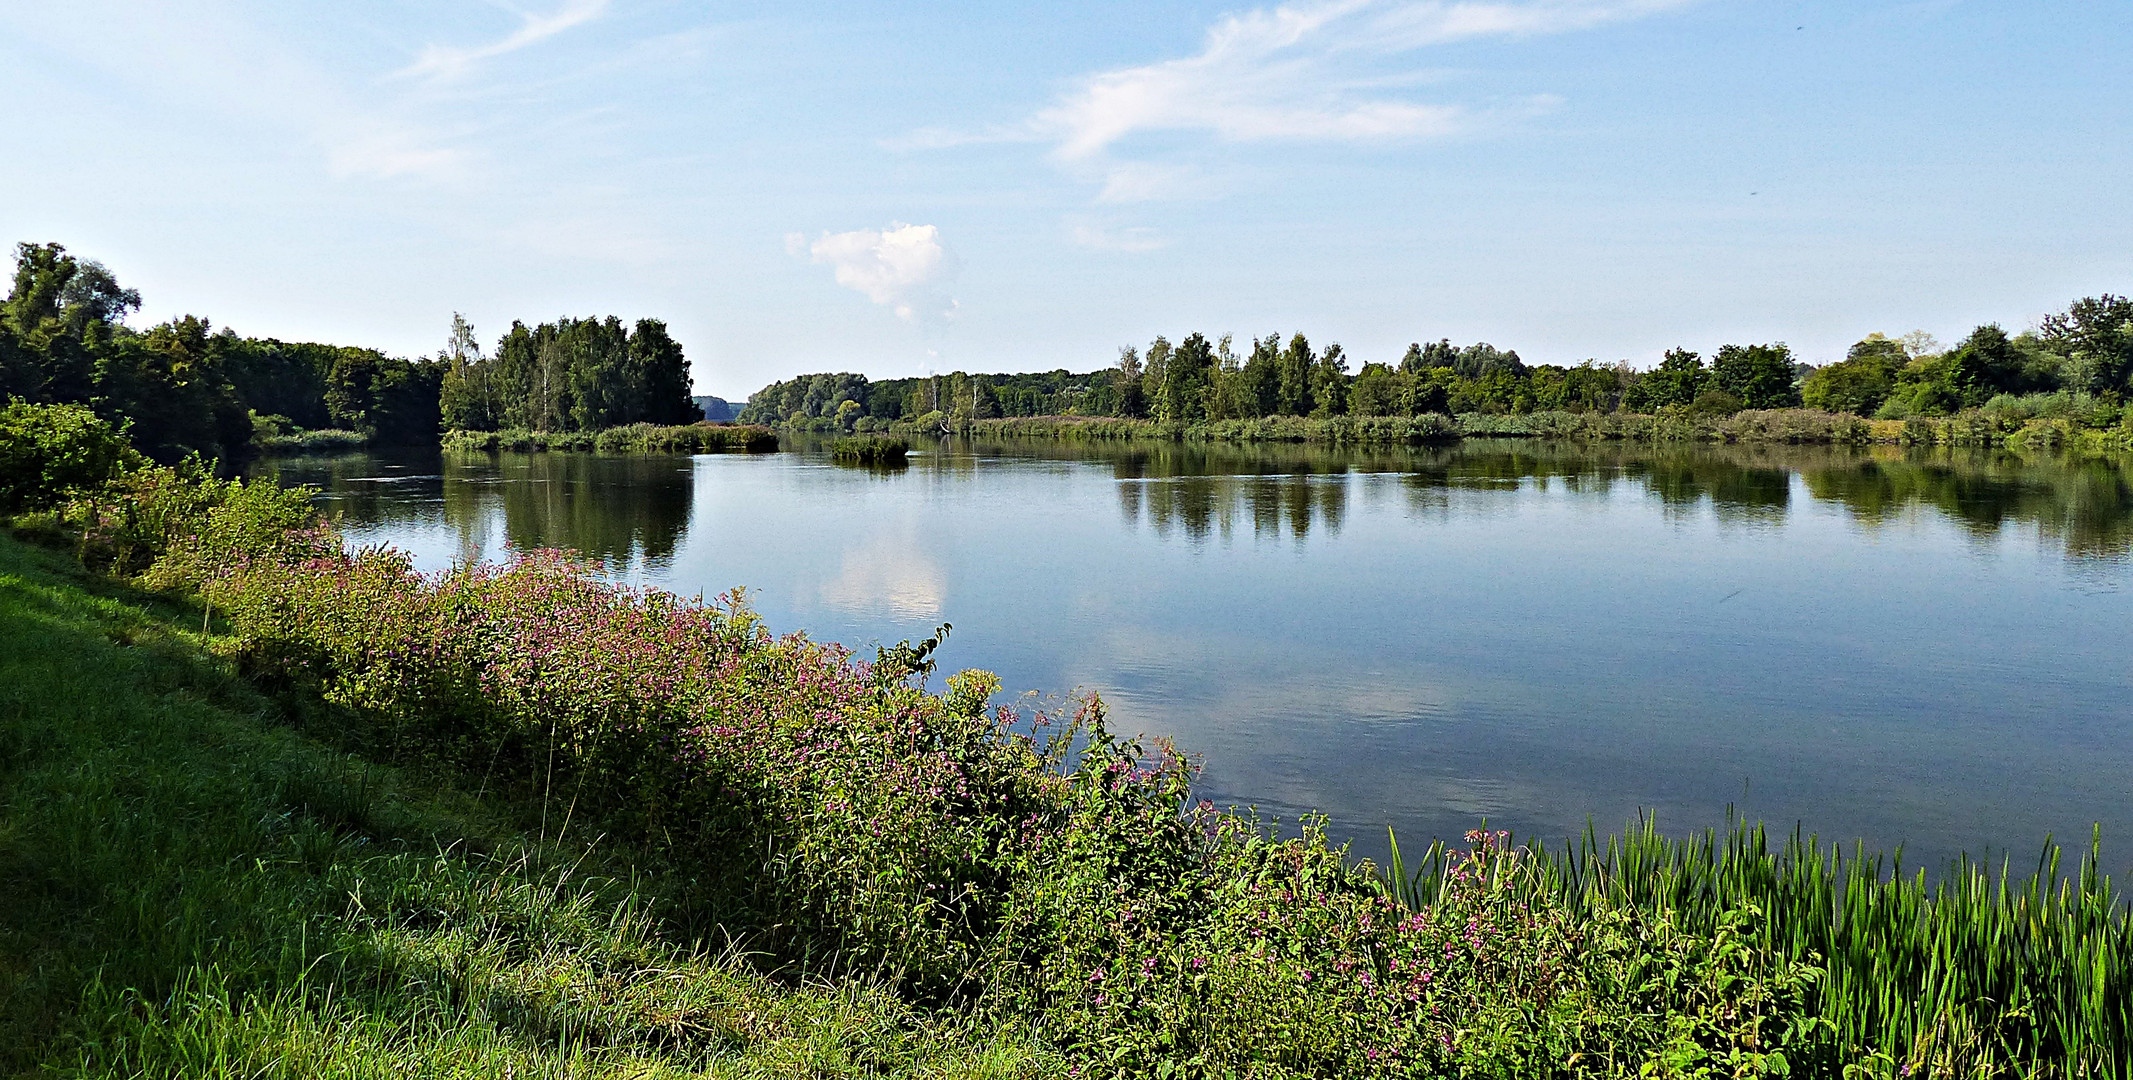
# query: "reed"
[[1980, 969], [870, 450], [703, 438], [322, 441]]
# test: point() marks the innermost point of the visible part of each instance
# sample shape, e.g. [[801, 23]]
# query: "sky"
[[899, 189]]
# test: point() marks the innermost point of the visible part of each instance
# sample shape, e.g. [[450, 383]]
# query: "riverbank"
[[275, 858], [198, 884], [703, 438], [1774, 426]]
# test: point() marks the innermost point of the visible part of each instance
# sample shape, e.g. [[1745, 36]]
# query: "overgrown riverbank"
[[1977, 428], [704, 438], [982, 890]]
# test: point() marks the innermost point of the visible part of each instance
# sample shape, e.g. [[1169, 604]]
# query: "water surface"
[[1925, 649]]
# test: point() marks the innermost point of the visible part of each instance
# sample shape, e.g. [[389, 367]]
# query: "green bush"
[[702, 438], [871, 450], [49, 453], [174, 527]]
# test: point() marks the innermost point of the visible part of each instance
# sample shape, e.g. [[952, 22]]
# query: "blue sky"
[[901, 188]]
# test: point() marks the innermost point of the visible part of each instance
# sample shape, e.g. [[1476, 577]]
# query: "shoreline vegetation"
[[278, 807], [185, 388], [698, 438], [1786, 426], [2068, 383]]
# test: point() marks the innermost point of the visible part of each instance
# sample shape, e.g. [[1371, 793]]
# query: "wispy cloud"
[[1304, 72], [452, 61], [903, 267], [232, 65], [1131, 238]]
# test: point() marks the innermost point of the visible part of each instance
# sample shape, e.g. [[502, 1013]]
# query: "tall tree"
[[2095, 335], [1293, 382], [1329, 384], [1188, 375], [467, 394]]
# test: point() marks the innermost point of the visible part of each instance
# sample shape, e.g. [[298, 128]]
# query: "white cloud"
[[234, 66], [903, 267], [446, 61], [1268, 73], [1304, 72], [893, 571]]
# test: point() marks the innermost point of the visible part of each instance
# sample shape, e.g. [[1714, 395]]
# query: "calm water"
[[1927, 650]]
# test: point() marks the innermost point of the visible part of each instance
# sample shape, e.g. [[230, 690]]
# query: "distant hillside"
[[718, 408]]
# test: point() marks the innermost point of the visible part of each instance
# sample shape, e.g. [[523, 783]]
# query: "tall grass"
[[190, 888], [1977, 971], [871, 450], [703, 438], [321, 441]]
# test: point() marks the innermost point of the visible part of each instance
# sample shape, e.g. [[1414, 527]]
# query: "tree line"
[[182, 386], [185, 387], [568, 375], [2083, 356]]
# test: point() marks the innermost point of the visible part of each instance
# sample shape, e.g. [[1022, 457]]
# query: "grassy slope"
[[193, 888]]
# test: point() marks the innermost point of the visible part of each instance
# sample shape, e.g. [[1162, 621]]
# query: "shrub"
[[176, 526], [870, 450], [700, 438], [49, 453]]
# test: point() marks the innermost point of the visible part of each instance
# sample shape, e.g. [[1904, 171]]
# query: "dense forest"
[[568, 375], [2079, 360], [185, 387]]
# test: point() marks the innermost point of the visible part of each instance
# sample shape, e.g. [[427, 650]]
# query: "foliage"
[[571, 375], [1757, 376], [701, 438], [1975, 974], [1860, 382], [175, 527], [182, 387], [49, 453], [870, 451], [195, 891], [2096, 337], [1196, 387]]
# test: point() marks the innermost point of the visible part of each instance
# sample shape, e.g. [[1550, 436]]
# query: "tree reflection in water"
[[1201, 490]]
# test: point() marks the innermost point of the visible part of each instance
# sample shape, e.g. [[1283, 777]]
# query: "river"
[[1902, 647]]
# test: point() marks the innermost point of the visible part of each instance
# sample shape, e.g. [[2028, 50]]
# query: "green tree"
[[466, 393], [1986, 364], [2096, 337], [1860, 382], [1676, 381], [1188, 375], [1262, 377], [1127, 376], [1329, 384], [1758, 376], [1293, 383], [1376, 392]]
